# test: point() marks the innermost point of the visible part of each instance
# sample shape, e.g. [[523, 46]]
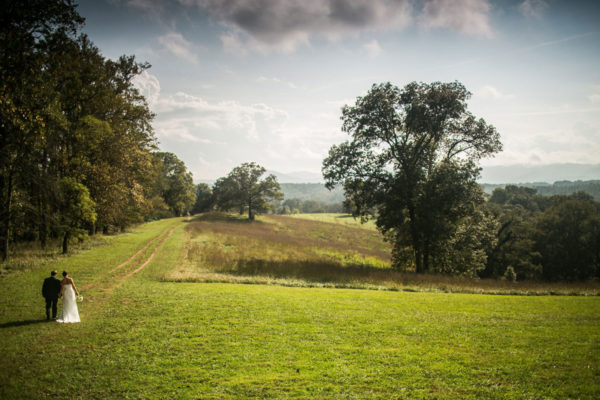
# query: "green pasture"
[[146, 336]]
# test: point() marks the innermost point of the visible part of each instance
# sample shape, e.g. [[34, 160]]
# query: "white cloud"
[[233, 44], [464, 16], [226, 133], [533, 8], [148, 85], [264, 79], [177, 45], [490, 92], [372, 48], [595, 97], [191, 118], [148, 5], [180, 130]]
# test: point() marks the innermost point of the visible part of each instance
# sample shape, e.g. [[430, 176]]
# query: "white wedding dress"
[[69, 311]]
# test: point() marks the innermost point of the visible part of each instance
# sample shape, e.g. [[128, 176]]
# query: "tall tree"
[[175, 183], [243, 189], [106, 139], [413, 156], [76, 209], [204, 198]]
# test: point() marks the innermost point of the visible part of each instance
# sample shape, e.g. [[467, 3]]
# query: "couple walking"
[[53, 289]]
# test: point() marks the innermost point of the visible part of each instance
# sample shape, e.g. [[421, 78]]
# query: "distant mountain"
[[312, 191], [499, 174], [567, 179], [540, 173]]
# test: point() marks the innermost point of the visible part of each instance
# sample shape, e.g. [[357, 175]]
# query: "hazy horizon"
[[494, 175]]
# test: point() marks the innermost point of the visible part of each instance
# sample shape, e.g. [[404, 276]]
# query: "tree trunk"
[[43, 221], [250, 211], [416, 241], [5, 213], [418, 261], [65, 246], [426, 256], [44, 229]]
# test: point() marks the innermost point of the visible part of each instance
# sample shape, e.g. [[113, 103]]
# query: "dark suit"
[[51, 290]]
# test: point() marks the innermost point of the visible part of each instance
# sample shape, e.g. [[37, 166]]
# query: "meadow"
[[219, 308], [345, 219], [320, 250]]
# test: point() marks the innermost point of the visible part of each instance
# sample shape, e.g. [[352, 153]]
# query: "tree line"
[[543, 237], [77, 150]]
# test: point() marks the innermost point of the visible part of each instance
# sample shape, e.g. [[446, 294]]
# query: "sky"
[[236, 81]]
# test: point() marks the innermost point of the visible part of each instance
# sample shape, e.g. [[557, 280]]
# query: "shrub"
[[510, 274]]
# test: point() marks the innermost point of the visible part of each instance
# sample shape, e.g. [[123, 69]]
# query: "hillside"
[[557, 188], [318, 192], [312, 191]]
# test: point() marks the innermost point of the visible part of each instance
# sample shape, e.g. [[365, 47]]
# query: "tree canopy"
[[174, 183], [413, 156], [554, 238], [243, 189]]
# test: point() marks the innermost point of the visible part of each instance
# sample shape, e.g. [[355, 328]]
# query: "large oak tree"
[[413, 157], [243, 189]]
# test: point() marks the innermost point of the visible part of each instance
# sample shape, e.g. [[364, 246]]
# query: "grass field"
[[345, 219], [312, 250], [144, 335]]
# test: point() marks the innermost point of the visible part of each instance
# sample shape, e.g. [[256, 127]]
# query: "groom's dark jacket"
[[51, 288]]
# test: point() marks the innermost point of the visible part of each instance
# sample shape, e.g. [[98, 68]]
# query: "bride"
[[68, 290]]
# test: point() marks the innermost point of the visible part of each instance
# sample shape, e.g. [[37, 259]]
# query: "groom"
[[50, 291]]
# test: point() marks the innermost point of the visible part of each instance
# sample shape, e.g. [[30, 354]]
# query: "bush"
[[510, 274]]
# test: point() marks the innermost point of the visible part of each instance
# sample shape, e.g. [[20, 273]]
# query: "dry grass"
[[27, 256], [345, 219], [296, 252]]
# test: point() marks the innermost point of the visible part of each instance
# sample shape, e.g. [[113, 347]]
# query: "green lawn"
[[144, 337]]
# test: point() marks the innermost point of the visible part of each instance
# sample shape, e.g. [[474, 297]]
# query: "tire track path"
[[120, 273], [156, 249]]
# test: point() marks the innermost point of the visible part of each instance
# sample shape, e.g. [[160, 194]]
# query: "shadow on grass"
[[23, 323], [310, 271], [223, 217], [325, 272]]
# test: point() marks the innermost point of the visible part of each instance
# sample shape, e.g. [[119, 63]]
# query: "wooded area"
[[78, 153]]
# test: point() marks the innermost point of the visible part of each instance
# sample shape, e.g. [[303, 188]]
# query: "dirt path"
[[128, 268], [143, 265]]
